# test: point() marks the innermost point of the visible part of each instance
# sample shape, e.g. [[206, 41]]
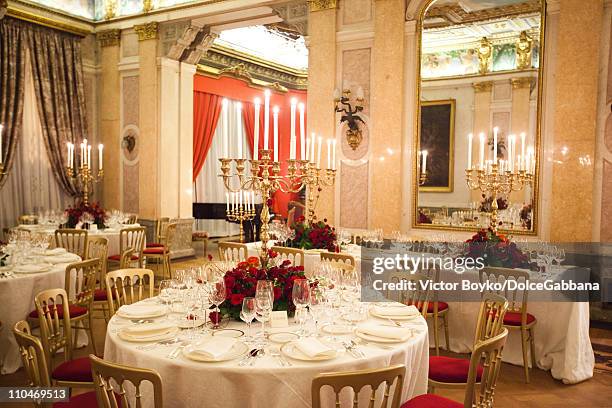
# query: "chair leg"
[[446, 336], [524, 345], [436, 337], [91, 336], [532, 342]]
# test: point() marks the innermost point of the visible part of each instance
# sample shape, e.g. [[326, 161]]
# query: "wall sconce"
[[350, 115], [129, 142]]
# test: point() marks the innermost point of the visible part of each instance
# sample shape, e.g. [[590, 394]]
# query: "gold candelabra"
[[315, 181], [240, 214], [85, 177], [493, 180], [2, 172], [265, 179]]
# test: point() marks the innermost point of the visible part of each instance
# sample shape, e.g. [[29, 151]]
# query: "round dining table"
[[18, 287], [267, 382]]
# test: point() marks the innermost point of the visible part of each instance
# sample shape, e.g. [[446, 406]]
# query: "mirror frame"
[[537, 140]]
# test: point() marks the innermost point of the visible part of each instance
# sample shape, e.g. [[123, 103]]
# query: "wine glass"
[[165, 291], [317, 306], [301, 299], [263, 309], [217, 296], [267, 287], [248, 314]]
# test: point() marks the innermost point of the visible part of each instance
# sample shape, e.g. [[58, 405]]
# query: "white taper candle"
[[266, 117], [275, 113], [302, 132], [256, 102]]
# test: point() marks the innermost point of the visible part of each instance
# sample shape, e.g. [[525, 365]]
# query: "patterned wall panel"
[[354, 192], [355, 74], [130, 120]]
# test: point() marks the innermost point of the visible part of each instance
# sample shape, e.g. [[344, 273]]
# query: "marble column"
[[387, 122], [321, 83], [109, 116], [187, 71], [576, 86], [482, 123]]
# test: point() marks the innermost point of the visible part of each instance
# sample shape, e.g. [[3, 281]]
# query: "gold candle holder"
[[2, 172], [85, 177], [316, 179], [494, 182], [240, 214]]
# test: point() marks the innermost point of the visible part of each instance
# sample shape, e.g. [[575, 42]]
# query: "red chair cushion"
[[450, 369], [514, 318], [154, 245], [118, 258], [100, 294], [74, 310], [441, 306], [78, 369], [431, 401], [154, 251], [86, 400]]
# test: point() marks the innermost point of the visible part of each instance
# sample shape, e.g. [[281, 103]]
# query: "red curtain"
[[206, 110]]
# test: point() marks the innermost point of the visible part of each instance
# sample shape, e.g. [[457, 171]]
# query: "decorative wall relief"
[[355, 74], [129, 143]]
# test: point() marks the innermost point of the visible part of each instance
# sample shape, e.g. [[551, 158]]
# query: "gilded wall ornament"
[[485, 55], [524, 82], [147, 31], [318, 5], [483, 86], [523, 51], [110, 9], [147, 5], [109, 38]]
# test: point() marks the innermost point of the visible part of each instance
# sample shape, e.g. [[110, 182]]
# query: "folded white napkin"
[[30, 268], [55, 251], [396, 311], [386, 332], [141, 310], [313, 348], [215, 347], [65, 258], [148, 329]]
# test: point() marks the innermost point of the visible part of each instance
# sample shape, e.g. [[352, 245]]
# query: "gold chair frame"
[[420, 297], [106, 374], [32, 355], [160, 229], [97, 247], [518, 303], [120, 285], [164, 257], [72, 240], [338, 258], [238, 252], [359, 379], [296, 256], [87, 273]]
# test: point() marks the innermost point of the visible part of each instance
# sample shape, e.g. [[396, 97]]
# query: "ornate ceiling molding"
[[454, 14], [319, 5], [109, 38], [45, 21], [192, 44], [295, 18], [147, 31]]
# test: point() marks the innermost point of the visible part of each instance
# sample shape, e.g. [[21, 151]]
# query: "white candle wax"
[[257, 102], [227, 201], [329, 153], [481, 152], [424, 165], [302, 132], [275, 113], [308, 149], [239, 126], [334, 156], [266, 117], [101, 156], [240, 199], [82, 154], [469, 163], [67, 153], [512, 146], [319, 145], [292, 140], [495, 130], [89, 156], [523, 147]]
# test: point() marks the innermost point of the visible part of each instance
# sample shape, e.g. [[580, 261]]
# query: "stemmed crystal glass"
[[318, 304], [263, 309], [165, 291], [217, 296], [248, 314], [301, 299]]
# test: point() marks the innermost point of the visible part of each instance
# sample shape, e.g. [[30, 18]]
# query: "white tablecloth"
[[188, 383], [17, 294]]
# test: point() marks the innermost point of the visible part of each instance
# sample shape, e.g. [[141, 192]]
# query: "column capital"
[[485, 86], [109, 38], [147, 31], [524, 82], [319, 5]]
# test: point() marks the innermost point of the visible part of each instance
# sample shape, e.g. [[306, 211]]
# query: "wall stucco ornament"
[[109, 38], [147, 31], [3, 7], [319, 5]]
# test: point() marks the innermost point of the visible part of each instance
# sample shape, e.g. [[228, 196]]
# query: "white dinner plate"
[[376, 339], [282, 337], [291, 351], [184, 323], [39, 269], [144, 316], [238, 350], [233, 333], [402, 318], [166, 335], [337, 329]]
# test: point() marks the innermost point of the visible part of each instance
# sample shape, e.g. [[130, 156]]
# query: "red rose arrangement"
[[496, 250], [241, 282], [317, 235], [94, 210]]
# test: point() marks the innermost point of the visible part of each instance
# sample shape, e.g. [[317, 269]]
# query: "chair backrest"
[[72, 240], [487, 353], [125, 261], [337, 258], [109, 379], [127, 286], [490, 321], [232, 251], [85, 275], [32, 355], [169, 238], [359, 379], [517, 297], [160, 229], [132, 238], [420, 294], [97, 247], [296, 256], [55, 331], [132, 219], [27, 219]]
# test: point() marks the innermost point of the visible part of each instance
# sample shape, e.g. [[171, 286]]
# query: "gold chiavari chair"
[[296, 256], [451, 372], [132, 219], [35, 365], [160, 233], [338, 258], [130, 238], [487, 356], [72, 240], [233, 251], [161, 254], [127, 286], [419, 297], [437, 310], [110, 378], [517, 317], [97, 247], [85, 274], [56, 334], [392, 378]]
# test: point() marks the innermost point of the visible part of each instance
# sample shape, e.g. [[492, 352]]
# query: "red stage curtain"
[[206, 111]]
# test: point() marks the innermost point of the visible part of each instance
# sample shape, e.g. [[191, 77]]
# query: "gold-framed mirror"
[[479, 87]]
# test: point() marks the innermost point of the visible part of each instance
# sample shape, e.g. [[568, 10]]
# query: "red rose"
[[277, 293], [229, 282], [210, 257], [253, 261], [236, 299]]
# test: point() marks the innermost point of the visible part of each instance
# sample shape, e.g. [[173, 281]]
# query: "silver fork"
[[159, 343], [175, 353], [281, 359]]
